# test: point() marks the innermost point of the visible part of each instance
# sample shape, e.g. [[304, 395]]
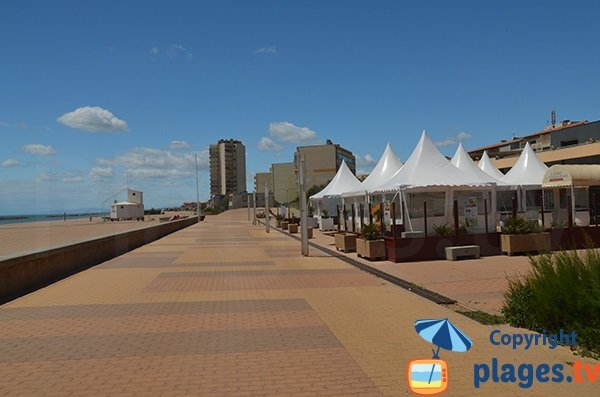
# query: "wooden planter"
[[284, 225], [523, 243], [293, 228], [345, 242], [370, 249]]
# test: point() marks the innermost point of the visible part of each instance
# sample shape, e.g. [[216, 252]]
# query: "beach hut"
[[124, 210], [132, 208]]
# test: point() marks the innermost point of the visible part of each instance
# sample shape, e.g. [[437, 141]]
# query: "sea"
[[8, 219]]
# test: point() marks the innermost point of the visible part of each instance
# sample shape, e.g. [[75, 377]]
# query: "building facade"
[[227, 167], [566, 142], [284, 182], [323, 161], [262, 178]]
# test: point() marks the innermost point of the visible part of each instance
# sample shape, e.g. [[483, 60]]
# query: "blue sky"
[[97, 94]]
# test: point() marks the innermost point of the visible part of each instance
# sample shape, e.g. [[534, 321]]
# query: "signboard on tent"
[[387, 215], [471, 211]]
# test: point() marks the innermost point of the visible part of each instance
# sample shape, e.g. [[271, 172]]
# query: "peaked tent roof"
[[343, 181], [426, 166], [386, 167], [528, 170], [485, 163], [463, 161]]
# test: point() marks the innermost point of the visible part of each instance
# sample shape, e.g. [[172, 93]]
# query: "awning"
[[572, 175]]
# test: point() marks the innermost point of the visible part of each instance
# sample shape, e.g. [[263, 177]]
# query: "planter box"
[[345, 242], [293, 228], [370, 249], [309, 232], [326, 224], [284, 225], [522, 243], [433, 247], [312, 222]]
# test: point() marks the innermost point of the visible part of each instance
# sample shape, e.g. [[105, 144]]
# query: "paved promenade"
[[224, 309]]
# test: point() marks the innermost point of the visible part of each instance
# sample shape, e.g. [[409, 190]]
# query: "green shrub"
[[520, 226], [448, 230], [443, 230], [371, 231], [562, 291], [325, 214]]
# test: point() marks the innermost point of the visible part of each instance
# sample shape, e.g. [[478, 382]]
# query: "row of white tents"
[[429, 180]]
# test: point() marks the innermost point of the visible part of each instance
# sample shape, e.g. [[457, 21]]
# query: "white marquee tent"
[[526, 177], [343, 181], [427, 176], [485, 163]]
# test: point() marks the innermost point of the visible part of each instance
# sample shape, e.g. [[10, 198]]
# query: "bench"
[[462, 252]]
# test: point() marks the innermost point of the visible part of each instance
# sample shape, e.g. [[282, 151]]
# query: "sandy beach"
[[21, 238]]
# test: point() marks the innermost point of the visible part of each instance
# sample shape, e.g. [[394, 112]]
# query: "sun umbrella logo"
[[430, 376]]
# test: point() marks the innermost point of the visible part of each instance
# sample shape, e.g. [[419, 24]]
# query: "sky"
[[97, 96]]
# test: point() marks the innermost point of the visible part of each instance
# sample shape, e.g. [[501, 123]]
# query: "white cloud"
[[10, 163], [143, 162], [179, 145], [266, 50], [154, 51], [364, 164], [460, 137], [37, 149], [93, 119], [267, 144], [289, 133], [99, 174], [4, 124], [72, 179], [177, 49]]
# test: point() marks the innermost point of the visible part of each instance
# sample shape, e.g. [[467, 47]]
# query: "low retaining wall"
[[575, 238], [433, 247], [23, 274]]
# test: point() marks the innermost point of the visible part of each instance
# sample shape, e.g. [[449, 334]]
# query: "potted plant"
[[325, 223], [279, 218], [520, 235], [293, 228], [311, 222], [371, 245]]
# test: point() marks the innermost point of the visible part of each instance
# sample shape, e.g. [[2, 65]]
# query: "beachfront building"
[[227, 167], [565, 142], [322, 162], [133, 208], [261, 179], [285, 182]]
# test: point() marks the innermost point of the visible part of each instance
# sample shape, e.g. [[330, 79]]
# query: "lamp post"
[[267, 225], [303, 209]]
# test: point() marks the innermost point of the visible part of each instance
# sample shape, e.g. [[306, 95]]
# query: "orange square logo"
[[428, 376]]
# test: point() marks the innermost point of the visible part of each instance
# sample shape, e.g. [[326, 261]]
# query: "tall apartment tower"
[[227, 167]]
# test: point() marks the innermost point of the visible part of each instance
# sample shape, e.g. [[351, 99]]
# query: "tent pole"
[[542, 209], [485, 213], [455, 213], [394, 221], [570, 210], [425, 217]]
